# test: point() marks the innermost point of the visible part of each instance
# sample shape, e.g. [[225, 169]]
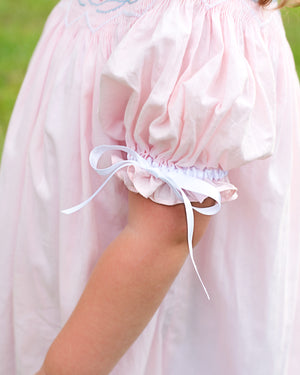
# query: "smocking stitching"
[[212, 174]]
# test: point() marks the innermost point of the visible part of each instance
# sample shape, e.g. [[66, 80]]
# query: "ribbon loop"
[[178, 182]]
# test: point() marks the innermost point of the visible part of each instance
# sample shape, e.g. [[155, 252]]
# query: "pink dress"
[[205, 95]]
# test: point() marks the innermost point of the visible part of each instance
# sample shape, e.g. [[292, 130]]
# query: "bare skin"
[[127, 286]]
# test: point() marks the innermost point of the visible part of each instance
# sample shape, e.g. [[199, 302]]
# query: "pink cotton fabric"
[[202, 84]]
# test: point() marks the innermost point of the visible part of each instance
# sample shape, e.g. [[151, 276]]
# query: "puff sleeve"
[[184, 90], [187, 95]]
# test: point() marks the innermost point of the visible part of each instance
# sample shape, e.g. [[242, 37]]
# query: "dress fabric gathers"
[[200, 91]]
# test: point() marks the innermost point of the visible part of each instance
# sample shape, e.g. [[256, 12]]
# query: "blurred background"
[[21, 23]]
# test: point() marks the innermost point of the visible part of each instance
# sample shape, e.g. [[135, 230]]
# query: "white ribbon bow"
[[177, 181]]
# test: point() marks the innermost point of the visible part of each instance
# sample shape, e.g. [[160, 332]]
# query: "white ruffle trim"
[[212, 174]]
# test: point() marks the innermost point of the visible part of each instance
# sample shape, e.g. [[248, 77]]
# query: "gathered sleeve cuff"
[[148, 178]]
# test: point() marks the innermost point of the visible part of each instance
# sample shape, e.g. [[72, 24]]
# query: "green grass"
[[21, 23], [291, 18]]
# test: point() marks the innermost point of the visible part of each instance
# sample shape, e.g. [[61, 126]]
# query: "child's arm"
[[126, 287]]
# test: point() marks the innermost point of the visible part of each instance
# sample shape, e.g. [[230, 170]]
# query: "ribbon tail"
[[78, 207], [190, 229], [71, 210], [208, 211]]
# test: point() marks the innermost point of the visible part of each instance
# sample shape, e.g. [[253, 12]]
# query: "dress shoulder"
[[192, 85]]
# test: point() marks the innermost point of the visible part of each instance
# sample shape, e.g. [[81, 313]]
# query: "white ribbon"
[[177, 181]]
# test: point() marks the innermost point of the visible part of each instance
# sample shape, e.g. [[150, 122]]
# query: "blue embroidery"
[[115, 5]]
